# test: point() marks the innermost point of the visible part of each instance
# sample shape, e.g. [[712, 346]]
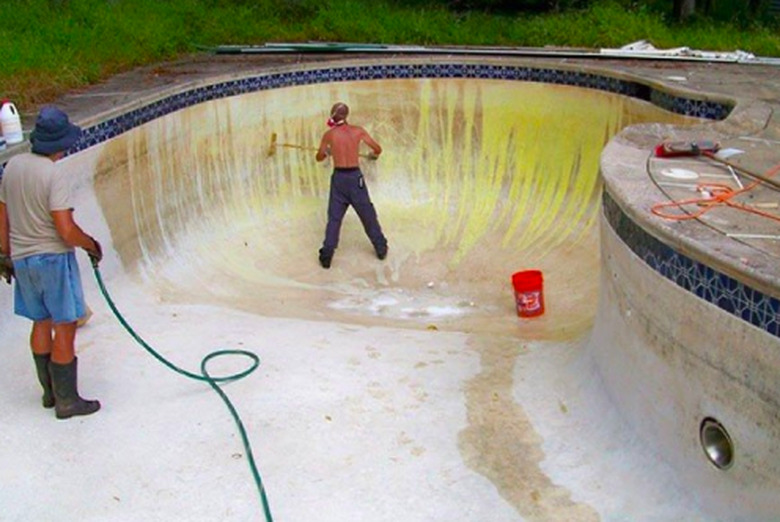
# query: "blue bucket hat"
[[53, 132]]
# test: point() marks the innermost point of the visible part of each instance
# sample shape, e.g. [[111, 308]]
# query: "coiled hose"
[[205, 377]]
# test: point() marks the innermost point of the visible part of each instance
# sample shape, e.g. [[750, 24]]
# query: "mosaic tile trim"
[[114, 127], [726, 293], [701, 108]]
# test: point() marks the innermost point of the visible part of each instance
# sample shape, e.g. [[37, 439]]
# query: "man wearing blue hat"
[[37, 239]]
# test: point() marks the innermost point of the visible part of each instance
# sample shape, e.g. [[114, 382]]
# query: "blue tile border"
[[113, 127], [726, 293]]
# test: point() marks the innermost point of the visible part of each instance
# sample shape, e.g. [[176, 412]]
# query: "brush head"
[[272, 147]]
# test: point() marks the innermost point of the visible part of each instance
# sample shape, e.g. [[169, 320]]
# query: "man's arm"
[[72, 234], [323, 151], [5, 231], [371, 143], [6, 265]]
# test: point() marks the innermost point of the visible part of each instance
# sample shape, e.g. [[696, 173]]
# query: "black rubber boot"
[[325, 258], [42, 368], [67, 402]]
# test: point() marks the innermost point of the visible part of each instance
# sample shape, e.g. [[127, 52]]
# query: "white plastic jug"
[[10, 123]]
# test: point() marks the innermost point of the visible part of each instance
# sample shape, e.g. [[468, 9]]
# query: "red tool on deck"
[[709, 149], [671, 149]]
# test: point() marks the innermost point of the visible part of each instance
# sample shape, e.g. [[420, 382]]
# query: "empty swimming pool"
[[399, 389]]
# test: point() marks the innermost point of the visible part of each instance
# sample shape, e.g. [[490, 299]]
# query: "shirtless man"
[[347, 186]]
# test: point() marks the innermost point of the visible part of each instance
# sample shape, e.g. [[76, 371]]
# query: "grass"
[[52, 46]]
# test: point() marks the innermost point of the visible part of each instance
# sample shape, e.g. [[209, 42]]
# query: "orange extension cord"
[[721, 195]]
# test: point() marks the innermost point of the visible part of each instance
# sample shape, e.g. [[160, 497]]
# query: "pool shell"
[[684, 330], [487, 212]]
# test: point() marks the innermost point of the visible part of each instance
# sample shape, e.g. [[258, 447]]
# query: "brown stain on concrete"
[[501, 444]]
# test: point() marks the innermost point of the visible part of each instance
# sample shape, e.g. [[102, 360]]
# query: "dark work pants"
[[347, 187]]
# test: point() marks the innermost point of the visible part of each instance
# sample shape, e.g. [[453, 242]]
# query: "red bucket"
[[529, 295]]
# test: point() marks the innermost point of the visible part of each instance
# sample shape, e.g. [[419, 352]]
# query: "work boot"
[[325, 258], [42, 368], [66, 395]]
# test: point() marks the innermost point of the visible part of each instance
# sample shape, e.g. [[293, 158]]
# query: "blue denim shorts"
[[48, 286]]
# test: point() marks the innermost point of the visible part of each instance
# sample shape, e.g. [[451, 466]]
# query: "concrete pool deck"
[[343, 427]]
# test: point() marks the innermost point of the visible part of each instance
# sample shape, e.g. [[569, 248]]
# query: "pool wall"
[[679, 336], [671, 359], [688, 329], [105, 126]]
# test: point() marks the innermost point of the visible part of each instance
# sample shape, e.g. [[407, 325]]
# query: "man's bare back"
[[343, 143]]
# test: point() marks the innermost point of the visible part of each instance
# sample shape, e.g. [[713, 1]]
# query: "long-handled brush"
[[708, 149], [275, 143]]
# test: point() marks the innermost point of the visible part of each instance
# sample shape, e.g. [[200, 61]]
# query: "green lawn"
[[51, 46]]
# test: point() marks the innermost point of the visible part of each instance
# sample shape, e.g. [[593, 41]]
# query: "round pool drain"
[[717, 443]]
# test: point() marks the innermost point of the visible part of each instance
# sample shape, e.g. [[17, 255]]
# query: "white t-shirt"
[[31, 188]]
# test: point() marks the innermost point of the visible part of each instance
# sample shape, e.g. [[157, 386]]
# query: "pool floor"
[[347, 422]]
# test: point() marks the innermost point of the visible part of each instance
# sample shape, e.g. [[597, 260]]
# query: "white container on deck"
[[10, 123]]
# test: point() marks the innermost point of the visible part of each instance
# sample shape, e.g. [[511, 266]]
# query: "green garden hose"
[[206, 377]]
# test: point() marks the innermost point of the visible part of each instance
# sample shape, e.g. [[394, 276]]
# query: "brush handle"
[[303, 147], [758, 177], [292, 146]]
